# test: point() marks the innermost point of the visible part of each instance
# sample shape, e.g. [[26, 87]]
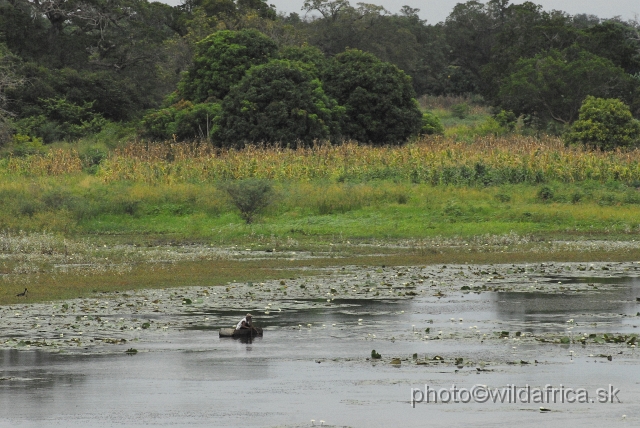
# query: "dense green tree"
[[616, 41], [553, 85], [221, 61], [402, 39], [471, 31], [524, 31], [113, 60], [378, 98], [309, 55], [109, 55], [604, 124], [280, 102]]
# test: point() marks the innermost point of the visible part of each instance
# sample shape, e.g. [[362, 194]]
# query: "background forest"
[[237, 72], [226, 122]]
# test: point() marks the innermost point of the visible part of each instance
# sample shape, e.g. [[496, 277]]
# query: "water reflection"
[[610, 305]]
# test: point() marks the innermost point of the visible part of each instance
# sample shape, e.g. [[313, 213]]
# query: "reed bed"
[[486, 161], [53, 163]]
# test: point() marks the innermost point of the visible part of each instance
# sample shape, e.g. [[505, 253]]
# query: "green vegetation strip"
[[53, 284]]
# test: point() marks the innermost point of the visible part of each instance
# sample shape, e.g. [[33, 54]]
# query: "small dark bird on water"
[[24, 293]]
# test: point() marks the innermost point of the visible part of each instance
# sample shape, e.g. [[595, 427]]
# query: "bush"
[[250, 196], [183, 120], [431, 125], [62, 120], [460, 110], [92, 156], [604, 124], [503, 197], [576, 197], [506, 119], [23, 145], [546, 194]]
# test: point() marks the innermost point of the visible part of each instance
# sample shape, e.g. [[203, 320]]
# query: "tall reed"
[[486, 161]]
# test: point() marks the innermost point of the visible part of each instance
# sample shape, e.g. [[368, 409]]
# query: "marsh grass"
[[316, 211], [55, 285], [48, 286]]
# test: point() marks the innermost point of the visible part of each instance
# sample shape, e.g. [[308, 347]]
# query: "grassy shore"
[[430, 188], [319, 212], [72, 228]]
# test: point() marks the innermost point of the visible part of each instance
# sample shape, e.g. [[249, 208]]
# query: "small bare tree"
[[249, 196]]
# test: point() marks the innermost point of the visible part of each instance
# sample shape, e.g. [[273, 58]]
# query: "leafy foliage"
[[62, 120], [506, 119], [402, 39], [23, 145], [9, 79], [249, 196], [278, 102], [182, 120], [431, 125], [460, 110], [552, 85], [378, 98], [221, 61], [604, 124], [310, 56]]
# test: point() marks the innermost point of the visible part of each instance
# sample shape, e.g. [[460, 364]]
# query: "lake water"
[[295, 374]]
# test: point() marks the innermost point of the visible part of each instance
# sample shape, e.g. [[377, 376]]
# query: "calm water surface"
[[193, 378]]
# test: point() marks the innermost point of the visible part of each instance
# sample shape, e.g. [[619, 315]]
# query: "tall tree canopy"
[[553, 85], [221, 61], [118, 59], [378, 98], [278, 102]]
